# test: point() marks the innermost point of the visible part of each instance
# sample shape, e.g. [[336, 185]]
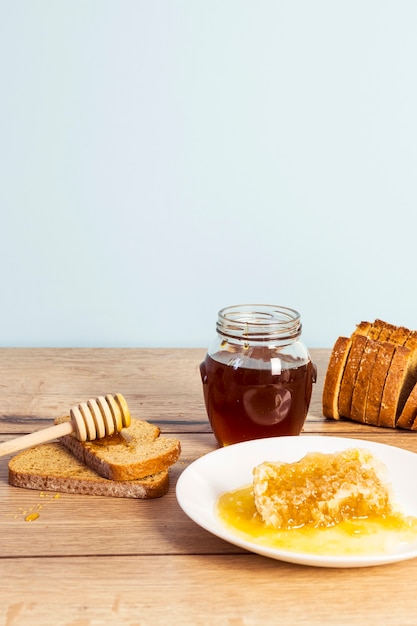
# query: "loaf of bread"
[[137, 451], [51, 467], [373, 381], [322, 489]]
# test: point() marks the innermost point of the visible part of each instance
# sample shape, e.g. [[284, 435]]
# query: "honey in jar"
[[258, 375]]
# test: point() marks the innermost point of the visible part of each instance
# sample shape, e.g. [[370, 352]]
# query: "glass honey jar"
[[257, 375]]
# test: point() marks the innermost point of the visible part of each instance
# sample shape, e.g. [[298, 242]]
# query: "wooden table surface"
[[88, 561]]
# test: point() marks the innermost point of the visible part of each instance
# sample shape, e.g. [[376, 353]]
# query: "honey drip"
[[33, 513], [115, 439]]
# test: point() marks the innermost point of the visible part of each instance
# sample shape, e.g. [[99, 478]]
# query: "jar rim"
[[259, 322]]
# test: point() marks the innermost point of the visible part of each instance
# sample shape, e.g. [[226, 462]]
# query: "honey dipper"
[[89, 420]]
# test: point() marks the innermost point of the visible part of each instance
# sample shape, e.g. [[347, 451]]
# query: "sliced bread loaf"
[[135, 452], [379, 375], [51, 467]]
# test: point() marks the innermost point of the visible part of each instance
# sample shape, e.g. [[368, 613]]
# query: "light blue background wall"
[[161, 159]]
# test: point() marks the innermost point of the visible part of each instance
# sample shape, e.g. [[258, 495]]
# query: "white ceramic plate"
[[229, 468]]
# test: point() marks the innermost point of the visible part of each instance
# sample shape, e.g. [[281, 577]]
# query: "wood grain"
[[90, 561], [224, 590]]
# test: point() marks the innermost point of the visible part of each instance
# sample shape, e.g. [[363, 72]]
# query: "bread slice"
[[397, 336], [360, 365], [350, 374], [135, 452], [382, 332], [333, 378], [51, 467], [321, 489], [377, 382], [335, 371], [408, 415], [398, 384], [363, 379]]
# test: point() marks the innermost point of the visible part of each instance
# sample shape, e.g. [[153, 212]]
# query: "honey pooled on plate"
[[340, 503]]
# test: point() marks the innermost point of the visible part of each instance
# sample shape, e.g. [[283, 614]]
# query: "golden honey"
[[357, 536], [257, 375]]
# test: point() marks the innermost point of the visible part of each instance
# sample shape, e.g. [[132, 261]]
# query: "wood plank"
[[161, 386], [235, 590], [41, 384]]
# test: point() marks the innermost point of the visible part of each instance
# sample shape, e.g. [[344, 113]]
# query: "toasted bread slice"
[[51, 467], [135, 452], [333, 378]]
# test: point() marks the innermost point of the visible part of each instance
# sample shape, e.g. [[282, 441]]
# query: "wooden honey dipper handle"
[[89, 420]]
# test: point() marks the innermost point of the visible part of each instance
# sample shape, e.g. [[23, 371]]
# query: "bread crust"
[[363, 328], [400, 335], [384, 330]]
